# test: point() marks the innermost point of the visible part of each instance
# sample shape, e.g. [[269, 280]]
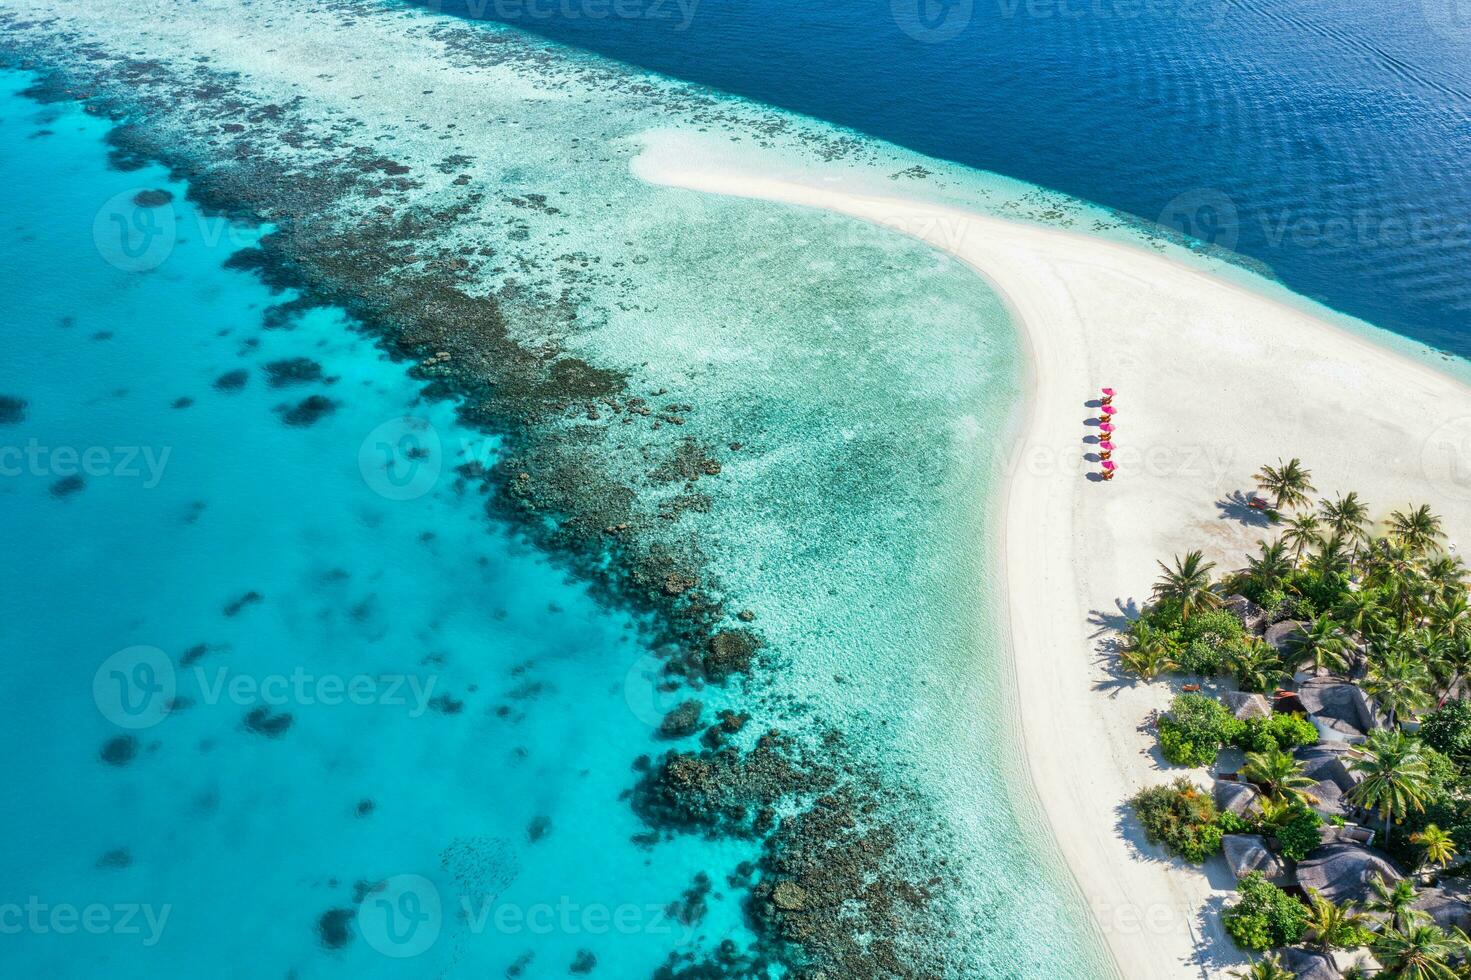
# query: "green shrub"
[[1292, 731], [1182, 817], [1269, 599], [1264, 916], [1201, 659], [1214, 625], [1299, 833], [1194, 730], [1296, 607], [1449, 729], [1284, 731], [1230, 823]]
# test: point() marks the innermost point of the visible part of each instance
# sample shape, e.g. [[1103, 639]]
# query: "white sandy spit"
[[1214, 379]]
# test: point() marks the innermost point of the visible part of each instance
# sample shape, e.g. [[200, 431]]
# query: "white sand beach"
[[1214, 379]]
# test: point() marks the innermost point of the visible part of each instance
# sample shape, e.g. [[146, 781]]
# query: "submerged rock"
[[308, 411], [152, 198], [232, 380], [119, 751], [12, 410], [293, 371], [260, 721], [333, 928], [67, 486]]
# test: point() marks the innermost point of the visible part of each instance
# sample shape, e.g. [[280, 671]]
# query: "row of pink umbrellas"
[[1107, 427]]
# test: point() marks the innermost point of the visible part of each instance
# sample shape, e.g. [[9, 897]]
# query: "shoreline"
[[1249, 378]]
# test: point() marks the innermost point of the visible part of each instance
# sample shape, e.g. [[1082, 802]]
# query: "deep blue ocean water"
[[1328, 139], [369, 681]]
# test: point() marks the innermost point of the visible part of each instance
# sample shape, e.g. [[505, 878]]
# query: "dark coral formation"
[[682, 721], [292, 371], [119, 751], [309, 411], [334, 928], [260, 721], [155, 198], [12, 410]]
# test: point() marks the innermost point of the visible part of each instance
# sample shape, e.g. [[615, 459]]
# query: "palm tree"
[[1438, 846], [1348, 516], [1450, 660], [1323, 645], [1302, 532], [1447, 573], [1188, 583], [1418, 529], [1272, 568], [1360, 611], [1278, 774], [1419, 953], [1395, 904], [1330, 558], [1451, 616], [1149, 653], [1399, 681], [1396, 777], [1392, 568], [1269, 967], [1255, 664], [1288, 483], [1334, 925]]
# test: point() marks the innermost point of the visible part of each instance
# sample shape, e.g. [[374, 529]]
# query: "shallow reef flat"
[[762, 429]]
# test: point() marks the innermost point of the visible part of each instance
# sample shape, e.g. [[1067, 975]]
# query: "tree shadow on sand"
[[1109, 627], [1236, 506]]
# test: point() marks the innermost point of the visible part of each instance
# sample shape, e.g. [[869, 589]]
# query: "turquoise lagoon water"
[[215, 850], [872, 380]]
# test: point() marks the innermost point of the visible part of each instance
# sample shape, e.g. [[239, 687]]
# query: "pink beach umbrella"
[[1109, 410], [1106, 445], [1108, 464], [1108, 392], [1106, 427]]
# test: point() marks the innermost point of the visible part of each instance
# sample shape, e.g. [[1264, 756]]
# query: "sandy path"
[[1214, 379]]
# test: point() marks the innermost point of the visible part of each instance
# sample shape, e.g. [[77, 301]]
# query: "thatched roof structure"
[[1235, 797], [1246, 853], [1280, 635], [1327, 765], [1252, 616], [1449, 904], [1340, 710], [1244, 705], [1343, 872], [1307, 965]]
